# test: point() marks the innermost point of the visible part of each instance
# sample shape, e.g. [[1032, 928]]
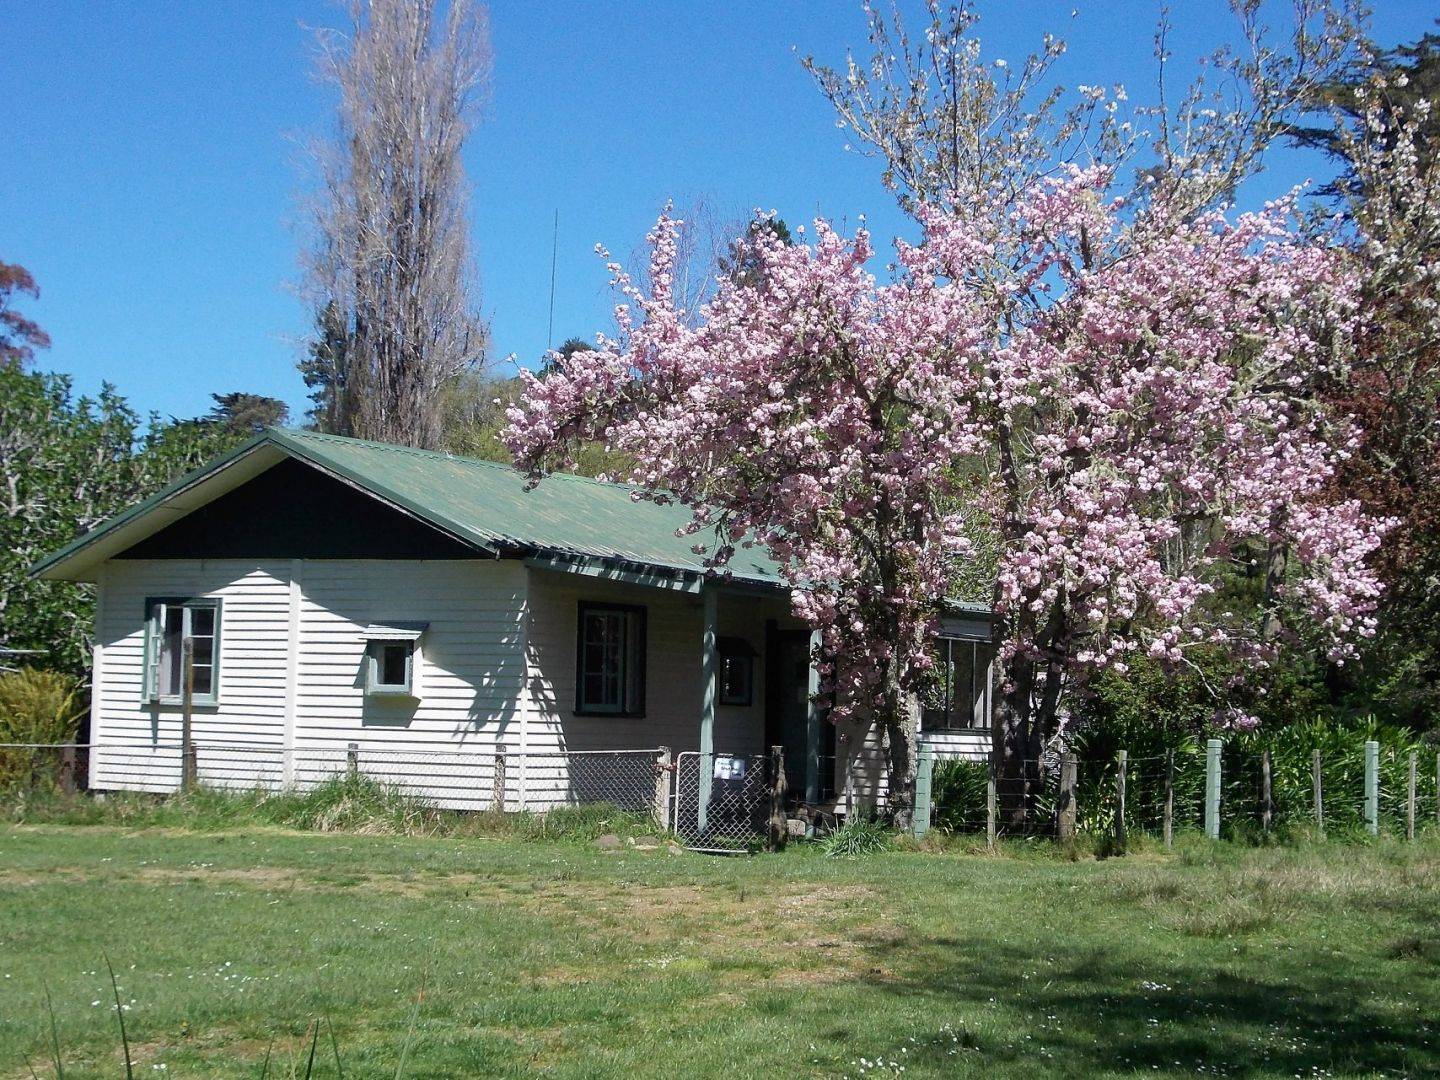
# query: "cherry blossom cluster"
[[1128, 396]]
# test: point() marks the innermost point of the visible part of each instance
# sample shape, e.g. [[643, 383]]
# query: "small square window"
[[390, 654], [390, 667], [737, 680], [957, 695]]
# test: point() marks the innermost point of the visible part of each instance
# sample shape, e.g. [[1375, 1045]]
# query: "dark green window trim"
[[615, 667]]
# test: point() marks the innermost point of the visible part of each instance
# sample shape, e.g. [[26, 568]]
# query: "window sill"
[[603, 715]]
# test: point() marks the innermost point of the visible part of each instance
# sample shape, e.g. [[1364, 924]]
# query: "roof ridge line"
[[446, 455]]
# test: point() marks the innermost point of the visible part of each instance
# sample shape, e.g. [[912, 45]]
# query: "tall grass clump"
[[588, 821], [354, 803], [36, 706], [957, 793], [858, 836]]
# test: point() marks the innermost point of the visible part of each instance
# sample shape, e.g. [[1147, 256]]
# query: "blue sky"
[[152, 158]]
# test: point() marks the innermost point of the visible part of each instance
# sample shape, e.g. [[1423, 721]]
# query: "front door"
[[787, 709]]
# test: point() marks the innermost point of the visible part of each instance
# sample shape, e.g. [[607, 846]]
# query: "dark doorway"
[[787, 709]]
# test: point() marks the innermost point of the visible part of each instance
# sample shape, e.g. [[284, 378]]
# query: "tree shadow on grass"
[[1085, 1010]]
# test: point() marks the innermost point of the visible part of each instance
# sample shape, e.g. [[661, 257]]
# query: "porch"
[[717, 673]]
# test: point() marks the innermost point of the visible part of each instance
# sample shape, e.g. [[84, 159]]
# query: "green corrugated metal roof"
[[486, 503]]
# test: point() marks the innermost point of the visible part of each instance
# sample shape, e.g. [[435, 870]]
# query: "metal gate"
[[736, 816]]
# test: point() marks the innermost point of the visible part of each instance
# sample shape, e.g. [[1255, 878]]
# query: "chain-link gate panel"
[[736, 815]]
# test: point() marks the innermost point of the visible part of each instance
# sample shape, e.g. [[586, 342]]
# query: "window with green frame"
[[168, 622], [957, 695]]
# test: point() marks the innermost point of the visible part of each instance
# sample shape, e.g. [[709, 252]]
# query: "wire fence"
[[731, 802], [1220, 790], [637, 781]]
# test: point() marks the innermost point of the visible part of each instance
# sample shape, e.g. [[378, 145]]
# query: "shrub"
[[36, 706], [957, 793]]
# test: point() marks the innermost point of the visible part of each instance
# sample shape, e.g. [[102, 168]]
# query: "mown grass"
[[558, 957]]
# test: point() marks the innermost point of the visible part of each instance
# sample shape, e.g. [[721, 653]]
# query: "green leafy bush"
[[36, 706], [957, 793]]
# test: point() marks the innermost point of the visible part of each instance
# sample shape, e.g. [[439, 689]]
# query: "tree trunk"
[[901, 734], [1011, 745], [1277, 563]]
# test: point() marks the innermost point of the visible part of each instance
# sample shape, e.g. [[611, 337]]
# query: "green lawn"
[[529, 957]]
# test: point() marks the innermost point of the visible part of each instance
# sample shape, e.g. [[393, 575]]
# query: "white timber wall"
[[469, 674], [291, 693], [674, 624], [138, 744], [969, 745]]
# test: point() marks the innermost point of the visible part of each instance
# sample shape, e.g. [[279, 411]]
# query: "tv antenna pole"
[[554, 252]]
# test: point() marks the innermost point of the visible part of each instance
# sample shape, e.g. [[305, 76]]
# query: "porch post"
[[708, 666], [812, 726]]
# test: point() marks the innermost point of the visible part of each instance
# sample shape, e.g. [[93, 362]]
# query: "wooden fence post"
[[1267, 808], [497, 782], [1410, 799], [352, 759], [924, 790], [1168, 825], [663, 767], [188, 770], [990, 807], [1212, 788], [1319, 793], [1065, 813], [1372, 787], [779, 828], [67, 770], [1121, 767]]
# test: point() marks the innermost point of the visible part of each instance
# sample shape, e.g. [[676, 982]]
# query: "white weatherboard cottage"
[[426, 611]]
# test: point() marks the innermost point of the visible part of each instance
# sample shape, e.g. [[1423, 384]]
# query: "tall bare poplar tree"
[[390, 267]]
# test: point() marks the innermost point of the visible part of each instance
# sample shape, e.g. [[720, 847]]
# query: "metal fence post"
[[1212, 788], [1319, 793], [1122, 762], [1065, 811], [924, 789], [1372, 787]]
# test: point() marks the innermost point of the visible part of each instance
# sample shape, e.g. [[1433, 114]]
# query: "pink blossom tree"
[[1123, 402]]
